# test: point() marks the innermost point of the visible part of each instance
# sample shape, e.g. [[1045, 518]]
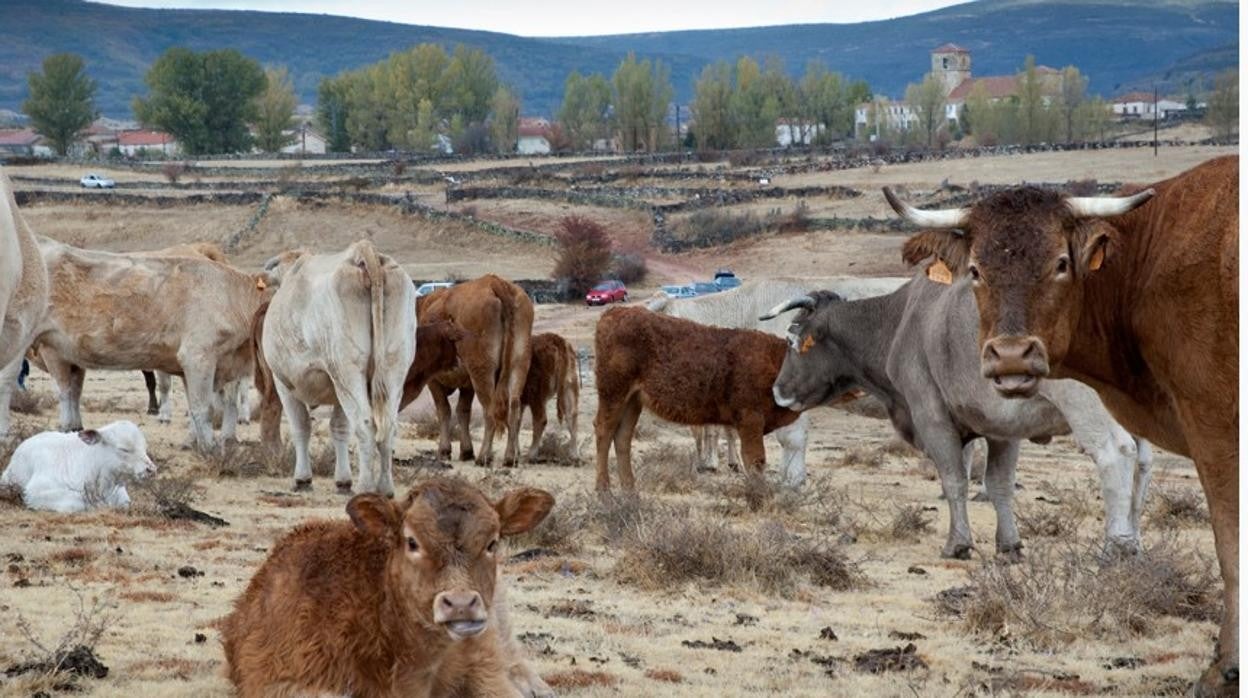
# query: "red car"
[[607, 292]]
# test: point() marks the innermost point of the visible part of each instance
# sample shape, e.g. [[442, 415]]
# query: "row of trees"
[[633, 103], [739, 106], [411, 98], [211, 102]]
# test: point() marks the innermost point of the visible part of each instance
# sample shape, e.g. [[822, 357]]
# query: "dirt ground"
[[593, 619]]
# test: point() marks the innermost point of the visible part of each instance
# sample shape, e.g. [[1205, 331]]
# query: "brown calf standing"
[[553, 372], [392, 603], [686, 373]]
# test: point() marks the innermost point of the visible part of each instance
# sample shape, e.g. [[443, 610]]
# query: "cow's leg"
[[244, 400], [565, 409], [607, 419], [199, 375], [68, 379], [8, 382], [442, 405], [300, 432], [734, 454], [149, 380], [999, 483], [1115, 453], [538, 410], [793, 441], [483, 376], [623, 439], [340, 432], [463, 416], [164, 411], [385, 439], [271, 420], [1139, 490], [706, 454], [352, 393], [942, 443], [521, 357], [753, 454], [229, 411]]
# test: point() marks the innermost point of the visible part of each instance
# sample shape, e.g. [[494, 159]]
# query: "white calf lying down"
[[79, 471]]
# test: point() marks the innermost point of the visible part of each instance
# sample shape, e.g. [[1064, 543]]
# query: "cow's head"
[[124, 446], [816, 370], [275, 267], [443, 540], [1028, 252]]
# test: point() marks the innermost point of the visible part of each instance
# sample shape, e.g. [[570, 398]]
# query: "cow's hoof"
[[1217, 682], [444, 455], [303, 486], [153, 410], [959, 552], [344, 487], [466, 456], [510, 463], [1011, 553]]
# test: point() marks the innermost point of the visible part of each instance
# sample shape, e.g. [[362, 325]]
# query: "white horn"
[[936, 218], [791, 304], [1104, 206]]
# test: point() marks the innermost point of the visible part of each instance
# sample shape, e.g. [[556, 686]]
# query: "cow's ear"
[[374, 514], [89, 437], [950, 245], [1092, 245], [522, 509]]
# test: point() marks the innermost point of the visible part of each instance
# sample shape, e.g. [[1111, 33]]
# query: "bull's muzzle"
[[462, 613], [783, 401], [1015, 365]]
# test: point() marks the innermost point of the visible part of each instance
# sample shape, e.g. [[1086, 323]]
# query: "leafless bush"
[[560, 529], [1066, 591], [668, 468], [154, 496], [31, 403], [173, 171], [558, 450], [59, 665], [584, 255], [1041, 521], [1076, 501], [909, 523], [629, 267], [861, 456], [398, 167], [795, 221], [669, 547], [1176, 507]]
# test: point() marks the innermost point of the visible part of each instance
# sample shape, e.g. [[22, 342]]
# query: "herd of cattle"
[[1113, 319]]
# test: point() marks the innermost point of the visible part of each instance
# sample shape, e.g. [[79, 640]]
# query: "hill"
[[1115, 42]]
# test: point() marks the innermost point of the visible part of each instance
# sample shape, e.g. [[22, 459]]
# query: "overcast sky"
[[578, 17]]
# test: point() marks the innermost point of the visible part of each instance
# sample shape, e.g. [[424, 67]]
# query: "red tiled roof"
[[997, 87], [530, 131], [24, 136], [144, 138], [1135, 97], [949, 48]]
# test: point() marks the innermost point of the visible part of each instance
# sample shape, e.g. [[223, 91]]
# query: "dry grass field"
[[696, 588]]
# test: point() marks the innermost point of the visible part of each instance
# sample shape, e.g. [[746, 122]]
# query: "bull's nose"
[[784, 401], [1015, 364], [452, 606]]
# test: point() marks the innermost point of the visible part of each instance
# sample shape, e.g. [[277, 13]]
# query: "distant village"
[[535, 135]]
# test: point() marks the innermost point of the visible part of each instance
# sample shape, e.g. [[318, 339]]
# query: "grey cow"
[[915, 350]]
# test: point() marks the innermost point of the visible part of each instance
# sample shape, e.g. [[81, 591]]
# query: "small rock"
[[714, 644], [1124, 663], [905, 636], [187, 572], [915, 569], [200, 638], [746, 620], [827, 633]]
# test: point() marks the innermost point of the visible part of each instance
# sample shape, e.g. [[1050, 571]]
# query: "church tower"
[[952, 64]]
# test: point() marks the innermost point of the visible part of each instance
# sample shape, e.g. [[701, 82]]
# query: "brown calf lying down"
[[391, 603], [686, 373]]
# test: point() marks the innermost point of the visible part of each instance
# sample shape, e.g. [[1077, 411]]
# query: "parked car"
[[704, 288], [426, 289], [607, 292], [679, 291], [726, 279], [95, 181]]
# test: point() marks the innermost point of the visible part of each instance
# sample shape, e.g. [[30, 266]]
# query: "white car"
[[95, 181], [426, 289]]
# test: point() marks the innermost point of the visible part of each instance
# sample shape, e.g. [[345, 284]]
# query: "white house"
[[533, 136], [23, 142], [306, 141], [141, 142], [795, 132], [1140, 105]]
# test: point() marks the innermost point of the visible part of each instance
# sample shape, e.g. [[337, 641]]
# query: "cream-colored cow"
[[186, 316], [341, 331], [23, 295]]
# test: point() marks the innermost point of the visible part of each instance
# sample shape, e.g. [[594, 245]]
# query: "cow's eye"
[[492, 546], [1063, 265], [974, 272], [412, 545]]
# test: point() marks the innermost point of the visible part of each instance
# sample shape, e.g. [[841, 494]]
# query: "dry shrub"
[[795, 221], [747, 158], [560, 528], [628, 267], [148, 596], [579, 678], [665, 675], [72, 656], [1076, 501], [31, 403], [77, 555], [426, 426], [584, 254], [173, 171], [1063, 592], [668, 468], [288, 176], [558, 450], [668, 547], [861, 456], [155, 496], [254, 459], [909, 523], [711, 227], [1041, 521], [1177, 507]]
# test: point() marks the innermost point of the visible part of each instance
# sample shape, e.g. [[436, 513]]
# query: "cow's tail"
[[378, 393], [514, 364]]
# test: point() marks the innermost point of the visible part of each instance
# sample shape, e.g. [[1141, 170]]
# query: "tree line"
[[223, 101]]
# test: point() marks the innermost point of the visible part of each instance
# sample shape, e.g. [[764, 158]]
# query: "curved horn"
[[1104, 206], [936, 218], [791, 304]]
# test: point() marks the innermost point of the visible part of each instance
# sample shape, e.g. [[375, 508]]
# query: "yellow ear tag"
[[1098, 258], [940, 273], [807, 343], [260, 285]]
